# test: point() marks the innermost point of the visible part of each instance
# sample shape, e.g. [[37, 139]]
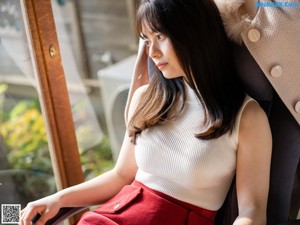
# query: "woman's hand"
[[142, 48], [140, 73], [47, 207], [141, 64]]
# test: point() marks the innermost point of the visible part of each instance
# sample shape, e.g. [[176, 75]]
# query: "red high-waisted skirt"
[[137, 204]]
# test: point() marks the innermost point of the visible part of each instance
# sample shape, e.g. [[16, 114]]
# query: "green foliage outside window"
[[23, 132]]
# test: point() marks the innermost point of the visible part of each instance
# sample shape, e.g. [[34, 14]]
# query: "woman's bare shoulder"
[[254, 123]]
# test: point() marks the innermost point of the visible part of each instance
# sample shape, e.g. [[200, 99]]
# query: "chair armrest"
[[293, 222], [62, 214]]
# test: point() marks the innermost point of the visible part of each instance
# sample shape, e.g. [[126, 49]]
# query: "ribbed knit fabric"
[[173, 161]]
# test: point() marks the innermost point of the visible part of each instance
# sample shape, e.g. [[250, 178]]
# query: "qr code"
[[10, 213]]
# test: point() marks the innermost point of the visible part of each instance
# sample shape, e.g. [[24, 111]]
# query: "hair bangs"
[[148, 14]]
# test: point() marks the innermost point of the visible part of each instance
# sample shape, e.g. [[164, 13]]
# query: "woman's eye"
[[147, 43], [160, 36]]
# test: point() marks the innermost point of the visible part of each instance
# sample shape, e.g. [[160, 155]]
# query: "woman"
[[188, 132], [266, 46]]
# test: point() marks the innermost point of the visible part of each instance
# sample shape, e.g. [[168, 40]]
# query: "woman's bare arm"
[[253, 166], [92, 192]]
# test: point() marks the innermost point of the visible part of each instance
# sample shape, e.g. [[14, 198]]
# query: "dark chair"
[[63, 214]]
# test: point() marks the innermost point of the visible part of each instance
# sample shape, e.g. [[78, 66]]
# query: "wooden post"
[[47, 63]]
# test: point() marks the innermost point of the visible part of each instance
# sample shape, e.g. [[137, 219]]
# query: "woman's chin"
[[168, 76]]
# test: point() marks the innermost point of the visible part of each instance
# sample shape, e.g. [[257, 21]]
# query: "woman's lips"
[[160, 66]]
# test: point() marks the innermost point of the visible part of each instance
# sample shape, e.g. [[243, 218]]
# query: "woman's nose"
[[154, 51]]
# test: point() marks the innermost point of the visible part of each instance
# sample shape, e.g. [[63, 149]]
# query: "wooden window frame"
[[52, 90]]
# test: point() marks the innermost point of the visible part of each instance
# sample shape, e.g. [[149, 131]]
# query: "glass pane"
[[25, 167], [98, 48]]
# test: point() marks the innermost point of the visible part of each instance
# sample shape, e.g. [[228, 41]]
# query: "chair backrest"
[[285, 133]]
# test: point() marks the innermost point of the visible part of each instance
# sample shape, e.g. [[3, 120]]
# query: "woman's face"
[[161, 51]]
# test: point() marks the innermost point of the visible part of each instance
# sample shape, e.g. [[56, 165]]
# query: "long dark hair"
[[199, 40]]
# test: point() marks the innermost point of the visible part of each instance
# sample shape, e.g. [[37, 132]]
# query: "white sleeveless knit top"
[[173, 161]]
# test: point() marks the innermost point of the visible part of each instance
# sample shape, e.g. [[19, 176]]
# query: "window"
[[65, 69], [25, 170]]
